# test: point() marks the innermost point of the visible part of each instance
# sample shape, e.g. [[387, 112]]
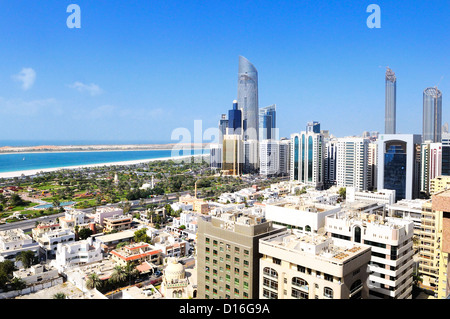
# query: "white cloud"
[[92, 89], [27, 76]]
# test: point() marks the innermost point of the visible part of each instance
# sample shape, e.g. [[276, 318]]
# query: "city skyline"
[[114, 79]]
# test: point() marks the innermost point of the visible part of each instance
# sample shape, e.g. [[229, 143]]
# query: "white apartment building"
[[382, 196], [305, 266], [307, 158], [269, 157], [351, 162], [430, 164], [410, 209], [299, 214], [391, 241], [49, 240], [105, 212], [77, 253], [13, 242]]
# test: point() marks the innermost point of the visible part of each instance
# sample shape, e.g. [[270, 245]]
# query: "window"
[[328, 277], [328, 292], [299, 282], [276, 261], [269, 294], [295, 293], [270, 272]]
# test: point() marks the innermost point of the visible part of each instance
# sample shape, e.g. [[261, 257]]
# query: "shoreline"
[[8, 150], [122, 163]]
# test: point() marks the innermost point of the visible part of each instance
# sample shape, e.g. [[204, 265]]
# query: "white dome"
[[174, 270]]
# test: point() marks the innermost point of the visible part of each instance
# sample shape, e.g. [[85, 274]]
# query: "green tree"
[[18, 283], [85, 233], [59, 295], [343, 192], [93, 281], [141, 236], [27, 258], [118, 275]]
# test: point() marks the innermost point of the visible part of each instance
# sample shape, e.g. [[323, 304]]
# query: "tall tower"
[[247, 98], [390, 102], [432, 115], [267, 122]]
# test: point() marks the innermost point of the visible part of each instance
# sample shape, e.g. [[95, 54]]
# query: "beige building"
[[228, 256], [305, 266], [439, 183], [433, 256], [117, 223]]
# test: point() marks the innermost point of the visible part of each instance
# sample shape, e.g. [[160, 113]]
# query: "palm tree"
[[59, 295], [93, 281], [131, 271], [18, 283], [118, 275], [27, 258]]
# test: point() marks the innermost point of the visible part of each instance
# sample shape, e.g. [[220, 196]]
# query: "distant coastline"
[[36, 171], [98, 148]]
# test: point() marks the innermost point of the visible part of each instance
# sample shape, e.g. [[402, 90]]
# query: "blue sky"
[[137, 70]]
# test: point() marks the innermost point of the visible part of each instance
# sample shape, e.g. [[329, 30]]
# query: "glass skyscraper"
[[247, 97], [399, 164], [235, 119], [395, 168], [432, 115], [267, 122], [390, 102]]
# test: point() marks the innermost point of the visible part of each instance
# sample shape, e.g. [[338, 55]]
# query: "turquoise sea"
[[31, 161]]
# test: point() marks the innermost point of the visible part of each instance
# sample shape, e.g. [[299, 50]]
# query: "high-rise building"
[[433, 251], [284, 150], [267, 122], [223, 125], [215, 156], [330, 163], [269, 156], [307, 150], [432, 115], [351, 162], [313, 127], [251, 156], [232, 154], [430, 164], [399, 164], [390, 102], [445, 154], [228, 254], [247, 98], [234, 120], [372, 166]]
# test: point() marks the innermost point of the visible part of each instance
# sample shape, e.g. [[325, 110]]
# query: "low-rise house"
[[39, 277], [49, 240], [15, 241], [171, 246], [77, 253], [138, 253], [117, 223]]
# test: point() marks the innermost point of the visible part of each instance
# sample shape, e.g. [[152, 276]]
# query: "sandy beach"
[[133, 162]]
